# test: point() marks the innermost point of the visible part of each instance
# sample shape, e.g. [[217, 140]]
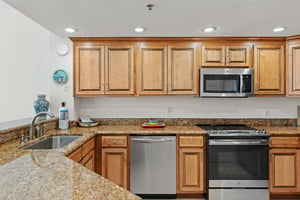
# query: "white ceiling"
[[117, 18]]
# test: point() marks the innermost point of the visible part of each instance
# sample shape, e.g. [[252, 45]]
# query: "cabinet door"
[[284, 170], [89, 161], [152, 69], [213, 55], [238, 56], [293, 71], [88, 70], [76, 155], [269, 69], [182, 69], [114, 164], [190, 178], [119, 69]]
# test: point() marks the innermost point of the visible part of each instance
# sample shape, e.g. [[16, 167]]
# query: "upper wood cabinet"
[[269, 70], [152, 69], [103, 69], [119, 69], [218, 55], [293, 68], [88, 70], [183, 65], [167, 68]]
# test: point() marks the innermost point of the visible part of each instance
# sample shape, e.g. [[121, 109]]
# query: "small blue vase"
[[41, 104]]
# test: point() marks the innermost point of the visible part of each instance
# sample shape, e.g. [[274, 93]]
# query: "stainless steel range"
[[237, 162]]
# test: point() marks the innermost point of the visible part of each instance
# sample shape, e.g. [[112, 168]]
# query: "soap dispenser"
[[63, 122]]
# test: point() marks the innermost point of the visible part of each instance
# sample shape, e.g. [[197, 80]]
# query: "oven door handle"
[[238, 142]]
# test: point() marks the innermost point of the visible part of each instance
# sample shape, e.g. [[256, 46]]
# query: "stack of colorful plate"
[[153, 123]]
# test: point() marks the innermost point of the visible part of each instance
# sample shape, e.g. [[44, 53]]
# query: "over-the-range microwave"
[[226, 82]]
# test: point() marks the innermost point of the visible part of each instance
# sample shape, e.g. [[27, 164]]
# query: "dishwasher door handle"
[[152, 140]]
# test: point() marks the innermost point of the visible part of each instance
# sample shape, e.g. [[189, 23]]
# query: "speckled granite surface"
[[44, 175], [288, 131]]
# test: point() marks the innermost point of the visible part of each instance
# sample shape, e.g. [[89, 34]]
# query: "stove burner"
[[231, 130]]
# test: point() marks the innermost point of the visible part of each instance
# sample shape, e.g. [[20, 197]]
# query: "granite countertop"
[[49, 174], [277, 131]]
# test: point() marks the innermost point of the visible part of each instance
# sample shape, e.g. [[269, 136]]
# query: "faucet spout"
[[33, 120]]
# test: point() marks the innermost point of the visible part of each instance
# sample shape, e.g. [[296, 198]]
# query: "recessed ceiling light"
[[70, 30], [279, 29], [139, 29], [209, 29]]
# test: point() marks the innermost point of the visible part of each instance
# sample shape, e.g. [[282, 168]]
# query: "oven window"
[[238, 162], [222, 83]]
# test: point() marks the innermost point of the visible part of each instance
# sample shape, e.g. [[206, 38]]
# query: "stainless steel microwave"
[[226, 82]]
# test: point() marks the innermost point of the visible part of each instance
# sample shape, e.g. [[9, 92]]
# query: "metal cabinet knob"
[[114, 142], [285, 142]]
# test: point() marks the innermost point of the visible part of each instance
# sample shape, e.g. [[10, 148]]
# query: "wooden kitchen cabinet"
[[106, 69], [284, 165], [269, 69], [85, 155], [293, 68], [183, 68], [190, 165], [152, 69], [88, 70], [223, 55], [119, 69], [115, 159], [168, 69]]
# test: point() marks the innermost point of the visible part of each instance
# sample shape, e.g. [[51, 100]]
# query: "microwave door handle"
[[241, 84]]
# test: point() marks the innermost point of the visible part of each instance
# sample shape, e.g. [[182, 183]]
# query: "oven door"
[[238, 163]]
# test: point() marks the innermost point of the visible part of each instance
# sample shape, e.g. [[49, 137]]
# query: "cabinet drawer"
[[191, 141], [87, 157], [114, 141], [76, 155], [285, 142], [88, 146]]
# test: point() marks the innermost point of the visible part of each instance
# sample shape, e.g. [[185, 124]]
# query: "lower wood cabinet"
[[190, 165], [85, 155], [284, 165], [115, 159]]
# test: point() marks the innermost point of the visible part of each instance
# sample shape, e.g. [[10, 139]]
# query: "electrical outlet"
[[267, 113], [67, 88]]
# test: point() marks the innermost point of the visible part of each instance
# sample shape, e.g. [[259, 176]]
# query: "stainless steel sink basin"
[[54, 142]]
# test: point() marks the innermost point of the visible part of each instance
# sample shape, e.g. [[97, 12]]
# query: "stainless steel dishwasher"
[[153, 166]]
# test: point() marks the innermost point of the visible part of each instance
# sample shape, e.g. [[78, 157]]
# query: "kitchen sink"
[[53, 142]]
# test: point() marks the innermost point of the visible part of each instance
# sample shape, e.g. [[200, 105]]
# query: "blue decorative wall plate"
[[60, 76]]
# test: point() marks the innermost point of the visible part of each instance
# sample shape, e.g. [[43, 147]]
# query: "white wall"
[[62, 93], [28, 60], [188, 107], [24, 63]]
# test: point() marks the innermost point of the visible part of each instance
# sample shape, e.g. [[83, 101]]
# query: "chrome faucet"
[[30, 137]]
